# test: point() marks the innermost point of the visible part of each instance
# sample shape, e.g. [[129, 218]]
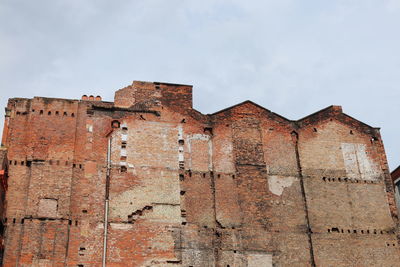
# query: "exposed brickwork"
[[395, 174], [240, 187]]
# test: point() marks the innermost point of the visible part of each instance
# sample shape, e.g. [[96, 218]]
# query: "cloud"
[[293, 57]]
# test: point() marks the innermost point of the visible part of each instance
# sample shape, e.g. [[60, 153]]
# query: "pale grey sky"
[[292, 57]]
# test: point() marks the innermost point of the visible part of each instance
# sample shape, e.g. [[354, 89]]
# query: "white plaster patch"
[[357, 163], [180, 132], [277, 184], [210, 155], [89, 128], [124, 137], [203, 137], [121, 226], [259, 260]]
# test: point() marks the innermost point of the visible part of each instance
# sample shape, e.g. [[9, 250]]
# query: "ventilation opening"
[[181, 142], [49, 113], [181, 177], [84, 211], [123, 169], [315, 130]]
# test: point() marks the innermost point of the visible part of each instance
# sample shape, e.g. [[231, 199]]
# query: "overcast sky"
[[292, 57]]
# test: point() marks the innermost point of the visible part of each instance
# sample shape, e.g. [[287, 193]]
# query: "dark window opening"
[[123, 169], [72, 115], [65, 113], [49, 113], [208, 130], [84, 211], [115, 124]]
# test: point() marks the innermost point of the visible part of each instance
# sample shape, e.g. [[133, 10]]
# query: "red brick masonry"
[[161, 184]]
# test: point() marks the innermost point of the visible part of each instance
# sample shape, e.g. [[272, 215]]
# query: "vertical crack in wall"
[[295, 137]]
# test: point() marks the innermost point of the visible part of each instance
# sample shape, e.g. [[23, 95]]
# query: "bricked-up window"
[[48, 208]]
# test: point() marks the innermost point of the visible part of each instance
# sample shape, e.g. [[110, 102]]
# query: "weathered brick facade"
[[240, 187]]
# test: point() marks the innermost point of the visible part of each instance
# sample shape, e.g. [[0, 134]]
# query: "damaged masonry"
[[147, 180]]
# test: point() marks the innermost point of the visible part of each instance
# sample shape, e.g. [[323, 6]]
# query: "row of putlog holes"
[[28, 163], [41, 112]]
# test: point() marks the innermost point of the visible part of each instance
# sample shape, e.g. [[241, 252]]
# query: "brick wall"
[[240, 187]]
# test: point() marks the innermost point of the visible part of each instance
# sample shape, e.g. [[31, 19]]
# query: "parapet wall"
[[240, 187]]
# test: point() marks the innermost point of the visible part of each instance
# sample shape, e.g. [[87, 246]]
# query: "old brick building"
[[147, 180]]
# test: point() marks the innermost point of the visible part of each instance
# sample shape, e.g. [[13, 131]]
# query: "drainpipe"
[[107, 199]]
